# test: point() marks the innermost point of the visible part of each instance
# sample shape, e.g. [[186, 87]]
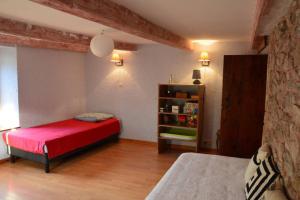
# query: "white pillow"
[[94, 117], [274, 195], [262, 153]]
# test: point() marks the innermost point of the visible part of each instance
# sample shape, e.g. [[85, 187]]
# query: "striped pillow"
[[263, 178], [262, 153]]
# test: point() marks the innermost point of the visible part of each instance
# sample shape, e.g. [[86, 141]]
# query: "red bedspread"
[[61, 137]]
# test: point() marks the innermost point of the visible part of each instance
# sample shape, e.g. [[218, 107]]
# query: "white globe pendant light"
[[101, 45]]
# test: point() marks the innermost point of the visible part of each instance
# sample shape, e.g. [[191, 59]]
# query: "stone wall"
[[282, 117]]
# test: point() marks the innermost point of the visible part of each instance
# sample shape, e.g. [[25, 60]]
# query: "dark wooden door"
[[243, 104]]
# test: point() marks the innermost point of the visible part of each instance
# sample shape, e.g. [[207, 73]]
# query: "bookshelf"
[[180, 114]]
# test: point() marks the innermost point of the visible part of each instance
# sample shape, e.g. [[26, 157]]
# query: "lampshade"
[[204, 56], [115, 57], [196, 74], [101, 45]]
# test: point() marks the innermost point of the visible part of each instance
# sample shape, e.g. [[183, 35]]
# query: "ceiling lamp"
[[101, 45]]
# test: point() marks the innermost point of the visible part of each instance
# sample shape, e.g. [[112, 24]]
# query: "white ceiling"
[[193, 19], [199, 19]]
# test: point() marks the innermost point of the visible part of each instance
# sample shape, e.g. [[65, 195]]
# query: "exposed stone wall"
[[282, 117]]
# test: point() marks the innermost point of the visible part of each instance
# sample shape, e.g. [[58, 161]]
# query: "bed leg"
[[12, 159], [116, 138], [47, 163], [47, 168]]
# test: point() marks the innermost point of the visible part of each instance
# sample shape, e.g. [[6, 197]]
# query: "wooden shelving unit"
[[168, 122]]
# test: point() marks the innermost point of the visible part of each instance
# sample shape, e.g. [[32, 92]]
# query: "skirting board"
[[184, 148], [4, 160]]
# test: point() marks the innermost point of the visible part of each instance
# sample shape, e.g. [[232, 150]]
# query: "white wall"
[[51, 85], [131, 92], [9, 108], [56, 85]]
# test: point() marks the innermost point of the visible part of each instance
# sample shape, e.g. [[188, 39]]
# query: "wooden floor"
[[123, 170]]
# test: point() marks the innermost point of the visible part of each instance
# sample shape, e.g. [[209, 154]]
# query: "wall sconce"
[[204, 60], [116, 58]]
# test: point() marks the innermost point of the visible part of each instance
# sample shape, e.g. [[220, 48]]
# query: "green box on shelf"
[[178, 136], [179, 131]]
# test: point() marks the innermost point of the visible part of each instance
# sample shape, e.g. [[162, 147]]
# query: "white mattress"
[[202, 176]]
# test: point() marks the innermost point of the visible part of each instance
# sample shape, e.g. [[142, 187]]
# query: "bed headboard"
[[282, 117]]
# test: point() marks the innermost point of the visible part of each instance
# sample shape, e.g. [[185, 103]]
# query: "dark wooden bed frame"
[[18, 153]]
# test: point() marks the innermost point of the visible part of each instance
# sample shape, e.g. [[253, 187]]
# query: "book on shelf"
[[191, 108]]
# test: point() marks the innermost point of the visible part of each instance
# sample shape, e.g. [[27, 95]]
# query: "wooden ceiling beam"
[[262, 8], [24, 29], [40, 43], [119, 17], [20, 33]]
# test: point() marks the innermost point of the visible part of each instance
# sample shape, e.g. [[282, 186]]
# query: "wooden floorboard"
[[123, 170]]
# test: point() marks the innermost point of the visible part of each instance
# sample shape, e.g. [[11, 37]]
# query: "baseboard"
[[4, 160], [138, 141], [178, 147]]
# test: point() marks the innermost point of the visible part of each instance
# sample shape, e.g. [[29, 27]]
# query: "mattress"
[[61, 137], [204, 177]]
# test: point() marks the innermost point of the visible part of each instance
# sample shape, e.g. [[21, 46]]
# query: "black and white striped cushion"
[[255, 160], [265, 175]]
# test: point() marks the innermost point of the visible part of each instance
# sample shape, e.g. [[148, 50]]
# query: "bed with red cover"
[[46, 142]]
